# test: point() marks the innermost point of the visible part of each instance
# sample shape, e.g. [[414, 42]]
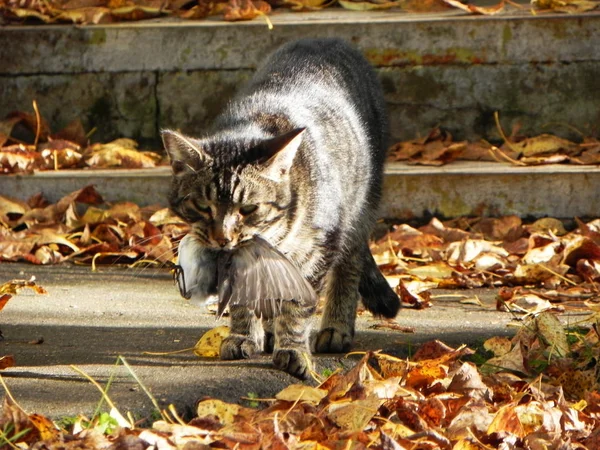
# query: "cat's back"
[[321, 81]]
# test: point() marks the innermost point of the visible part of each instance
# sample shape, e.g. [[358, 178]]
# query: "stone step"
[[131, 79], [459, 188]]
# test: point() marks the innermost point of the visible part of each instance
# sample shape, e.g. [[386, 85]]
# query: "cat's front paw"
[[295, 361], [238, 347], [330, 340]]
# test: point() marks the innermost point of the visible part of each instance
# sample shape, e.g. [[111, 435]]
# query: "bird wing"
[[262, 278]]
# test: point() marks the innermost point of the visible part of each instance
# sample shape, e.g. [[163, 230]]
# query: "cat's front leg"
[[247, 336], [291, 331], [337, 326]]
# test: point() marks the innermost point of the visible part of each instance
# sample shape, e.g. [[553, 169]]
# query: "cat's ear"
[[281, 151], [184, 153]]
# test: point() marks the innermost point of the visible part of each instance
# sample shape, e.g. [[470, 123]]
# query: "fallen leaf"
[[367, 6], [209, 344], [120, 153], [7, 361], [302, 393], [567, 6]]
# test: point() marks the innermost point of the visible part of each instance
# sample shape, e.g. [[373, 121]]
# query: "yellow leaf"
[[307, 5], [396, 429], [568, 6], [224, 412], [209, 344], [300, 392], [367, 6], [507, 421], [45, 426], [498, 345], [512, 360], [355, 415], [433, 271], [553, 333], [543, 144]]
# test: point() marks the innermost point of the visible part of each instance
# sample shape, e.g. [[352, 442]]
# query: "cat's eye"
[[246, 210], [202, 207]]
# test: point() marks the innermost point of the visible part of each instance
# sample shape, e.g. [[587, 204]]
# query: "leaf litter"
[[37, 148], [538, 390], [110, 11]]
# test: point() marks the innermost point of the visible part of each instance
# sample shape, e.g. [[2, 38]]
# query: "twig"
[[38, 125], [501, 131], [144, 388], [571, 282], [104, 394], [174, 352]]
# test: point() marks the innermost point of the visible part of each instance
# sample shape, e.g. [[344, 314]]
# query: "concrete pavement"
[[89, 318]]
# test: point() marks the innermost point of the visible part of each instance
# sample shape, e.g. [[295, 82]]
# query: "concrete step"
[[459, 188], [453, 70], [131, 79]]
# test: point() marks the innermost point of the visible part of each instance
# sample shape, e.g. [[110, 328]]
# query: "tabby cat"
[[297, 160]]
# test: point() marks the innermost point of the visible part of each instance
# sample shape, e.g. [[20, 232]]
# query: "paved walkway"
[[88, 319]]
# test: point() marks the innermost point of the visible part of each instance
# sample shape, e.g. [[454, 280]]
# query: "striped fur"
[[296, 159]]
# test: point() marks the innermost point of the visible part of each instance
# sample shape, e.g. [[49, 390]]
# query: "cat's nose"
[[222, 241]]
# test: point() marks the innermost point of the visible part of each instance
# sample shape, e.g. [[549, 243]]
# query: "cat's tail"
[[377, 294]]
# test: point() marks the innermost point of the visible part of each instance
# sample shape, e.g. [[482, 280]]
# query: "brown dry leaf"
[[245, 9], [392, 367], [18, 158], [513, 360], [433, 350], [120, 153], [354, 416], [368, 6], [44, 426], [435, 150], [525, 303], [307, 5], [30, 122], [469, 250], [552, 333], [137, 12], [578, 383], [415, 293], [472, 417], [498, 345], [7, 361], [435, 272], [543, 145], [302, 393], [567, 6], [467, 381], [224, 412], [210, 343], [13, 287], [73, 132], [86, 15], [391, 324], [448, 234]]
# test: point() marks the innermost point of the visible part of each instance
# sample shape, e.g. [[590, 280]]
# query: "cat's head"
[[230, 190]]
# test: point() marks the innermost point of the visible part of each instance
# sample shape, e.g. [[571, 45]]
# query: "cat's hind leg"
[[377, 294], [247, 335]]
